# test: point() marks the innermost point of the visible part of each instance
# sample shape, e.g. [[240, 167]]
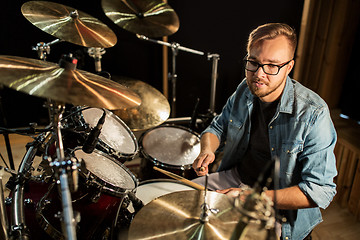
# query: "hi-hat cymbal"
[[152, 18], [177, 216], [68, 24], [77, 87], [153, 110]]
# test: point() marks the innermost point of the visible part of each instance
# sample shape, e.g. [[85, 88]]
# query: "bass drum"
[[169, 147]]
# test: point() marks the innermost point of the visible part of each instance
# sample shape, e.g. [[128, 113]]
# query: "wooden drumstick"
[[181, 179]]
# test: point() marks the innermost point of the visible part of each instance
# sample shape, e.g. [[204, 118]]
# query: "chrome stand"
[[175, 47]]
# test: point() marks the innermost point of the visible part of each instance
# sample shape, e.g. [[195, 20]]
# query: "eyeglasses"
[[270, 69]]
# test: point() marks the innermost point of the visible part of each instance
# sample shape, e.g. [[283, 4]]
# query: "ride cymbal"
[[77, 87], [153, 110], [68, 24], [177, 216], [152, 18]]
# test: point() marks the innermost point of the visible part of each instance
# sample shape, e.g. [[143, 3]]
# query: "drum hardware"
[[3, 216], [96, 53], [43, 49], [175, 47], [18, 227], [153, 18], [68, 24]]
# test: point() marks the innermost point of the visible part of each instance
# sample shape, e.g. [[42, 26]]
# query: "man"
[[273, 116]]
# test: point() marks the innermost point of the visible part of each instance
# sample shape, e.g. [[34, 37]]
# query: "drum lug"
[[95, 197], [28, 202], [8, 201]]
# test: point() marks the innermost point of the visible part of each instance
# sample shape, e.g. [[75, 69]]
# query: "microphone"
[[137, 203], [194, 114], [93, 137]]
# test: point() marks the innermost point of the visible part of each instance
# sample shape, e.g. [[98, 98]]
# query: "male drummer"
[[271, 116]]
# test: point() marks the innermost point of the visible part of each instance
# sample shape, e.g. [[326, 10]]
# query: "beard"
[[263, 91]]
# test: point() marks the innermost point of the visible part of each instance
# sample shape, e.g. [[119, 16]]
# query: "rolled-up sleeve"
[[318, 160]]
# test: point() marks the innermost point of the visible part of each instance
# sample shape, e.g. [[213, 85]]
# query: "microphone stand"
[[175, 47], [61, 165]]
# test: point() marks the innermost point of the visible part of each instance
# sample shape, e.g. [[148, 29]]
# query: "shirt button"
[[270, 127], [272, 149], [230, 120], [286, 237]]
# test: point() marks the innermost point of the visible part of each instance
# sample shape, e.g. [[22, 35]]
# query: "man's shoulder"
[[305, 95]]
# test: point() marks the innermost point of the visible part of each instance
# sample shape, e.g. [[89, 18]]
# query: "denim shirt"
[[301, 135]]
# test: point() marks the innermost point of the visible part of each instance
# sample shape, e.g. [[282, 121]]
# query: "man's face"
[[276, 51]]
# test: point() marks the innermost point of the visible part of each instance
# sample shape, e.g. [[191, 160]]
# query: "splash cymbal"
[[152, 18], [77, 87], [68, 24], [153, 110]]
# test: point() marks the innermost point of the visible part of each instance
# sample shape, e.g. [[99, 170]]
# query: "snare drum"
[[106, 173], [116, 138], [170, 147]]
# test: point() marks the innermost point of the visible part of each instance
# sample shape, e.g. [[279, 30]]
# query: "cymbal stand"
[[43, 49], [175, 47], [62, 166]]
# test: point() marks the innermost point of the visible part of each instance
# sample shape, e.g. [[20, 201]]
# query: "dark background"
[[209, 26]]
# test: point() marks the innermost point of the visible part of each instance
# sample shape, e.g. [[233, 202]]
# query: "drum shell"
[[159, 144], [43, 202]]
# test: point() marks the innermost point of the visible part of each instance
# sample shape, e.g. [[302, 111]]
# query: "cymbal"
[[177, 216], [152, 18], [68, 24], [77, 87], [153, 110]]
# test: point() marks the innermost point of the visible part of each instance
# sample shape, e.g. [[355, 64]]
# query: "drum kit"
[[84, 190]]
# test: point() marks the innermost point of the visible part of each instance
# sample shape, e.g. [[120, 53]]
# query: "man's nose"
[[260, 72]]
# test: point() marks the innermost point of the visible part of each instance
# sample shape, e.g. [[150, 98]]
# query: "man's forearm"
[[290, 198]]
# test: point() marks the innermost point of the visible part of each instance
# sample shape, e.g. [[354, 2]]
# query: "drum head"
[[114, 132], [107, 171], [152, 189], [171, 145]]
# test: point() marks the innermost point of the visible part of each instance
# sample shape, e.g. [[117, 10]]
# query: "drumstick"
[[181, 179]]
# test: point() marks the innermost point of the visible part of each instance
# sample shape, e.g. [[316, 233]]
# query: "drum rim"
[[154, 160], [106, 186]]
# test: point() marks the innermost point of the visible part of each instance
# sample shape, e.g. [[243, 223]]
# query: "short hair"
[[271, 31]]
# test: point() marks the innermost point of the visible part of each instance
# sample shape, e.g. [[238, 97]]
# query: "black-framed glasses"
[[270, 69]]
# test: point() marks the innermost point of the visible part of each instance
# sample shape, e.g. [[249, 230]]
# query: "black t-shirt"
[[258, 154]]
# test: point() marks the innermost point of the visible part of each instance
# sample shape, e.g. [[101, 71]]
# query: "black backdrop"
[[209, 26]]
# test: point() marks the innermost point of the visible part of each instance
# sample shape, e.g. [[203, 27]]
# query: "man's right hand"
[[201, 163]]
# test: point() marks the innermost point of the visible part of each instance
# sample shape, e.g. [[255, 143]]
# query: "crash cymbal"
[[77, 87], [153, 110], [177, 216], [68, 24], [152, 18]]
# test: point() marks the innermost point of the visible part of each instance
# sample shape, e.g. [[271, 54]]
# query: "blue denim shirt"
[[301, 135]]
